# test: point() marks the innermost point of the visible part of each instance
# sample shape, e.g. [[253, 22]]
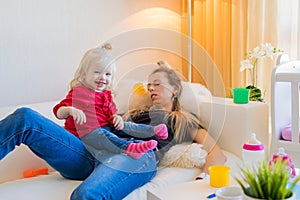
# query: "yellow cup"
[[219, 175]]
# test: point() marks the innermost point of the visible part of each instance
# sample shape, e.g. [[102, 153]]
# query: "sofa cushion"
[[52, 186], [55, 187]]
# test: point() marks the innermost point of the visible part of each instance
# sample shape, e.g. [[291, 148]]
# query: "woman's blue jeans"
[[113, 177]]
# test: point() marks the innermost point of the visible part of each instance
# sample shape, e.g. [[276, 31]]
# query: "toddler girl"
[[91, 114]]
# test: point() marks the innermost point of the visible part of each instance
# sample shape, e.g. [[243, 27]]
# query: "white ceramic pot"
[[246, 197]]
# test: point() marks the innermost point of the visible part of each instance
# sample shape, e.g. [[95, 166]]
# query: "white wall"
[[42, 41]]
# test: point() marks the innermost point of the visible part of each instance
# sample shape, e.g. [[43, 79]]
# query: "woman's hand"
[[215, 155], [118, 122]]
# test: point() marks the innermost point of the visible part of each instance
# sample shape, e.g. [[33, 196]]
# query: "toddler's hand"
[[78, 115], [118, 122]]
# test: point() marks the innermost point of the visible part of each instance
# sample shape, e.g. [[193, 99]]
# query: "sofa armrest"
[[232, 124]]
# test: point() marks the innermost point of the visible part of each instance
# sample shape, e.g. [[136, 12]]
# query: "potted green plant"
[[267, 181]]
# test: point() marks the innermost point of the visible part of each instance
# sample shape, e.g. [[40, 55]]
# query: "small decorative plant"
[[250, 63], [267, 181]]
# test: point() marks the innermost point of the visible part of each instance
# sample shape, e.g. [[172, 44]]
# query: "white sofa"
[[230, 124]]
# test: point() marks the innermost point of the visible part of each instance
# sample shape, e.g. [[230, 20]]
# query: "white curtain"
[[288, 18], [262, 28], [276, 22]]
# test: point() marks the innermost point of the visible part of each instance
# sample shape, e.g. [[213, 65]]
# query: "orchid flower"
[[270, 50], [246, 64], [251, 61], [258, 52]]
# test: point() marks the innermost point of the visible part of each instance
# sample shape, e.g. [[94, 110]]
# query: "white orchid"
[[258, 52], [261, 51], [250, 64], [246, 64], [270, 50]]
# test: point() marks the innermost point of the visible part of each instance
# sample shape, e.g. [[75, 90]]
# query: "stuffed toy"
[[140, 98]]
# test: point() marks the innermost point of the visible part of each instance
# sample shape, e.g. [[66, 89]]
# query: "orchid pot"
[[255, 93]]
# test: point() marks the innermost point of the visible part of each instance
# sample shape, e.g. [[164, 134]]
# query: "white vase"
[[246, 197]]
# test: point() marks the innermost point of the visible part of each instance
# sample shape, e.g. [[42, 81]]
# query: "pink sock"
[[161, 131], [136, 150]]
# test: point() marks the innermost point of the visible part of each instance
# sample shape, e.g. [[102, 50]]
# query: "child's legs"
[[138, 130], [119, 133], [104, 139], [47, 140]]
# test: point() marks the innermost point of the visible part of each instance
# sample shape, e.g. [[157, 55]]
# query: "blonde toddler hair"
[[100, 56]]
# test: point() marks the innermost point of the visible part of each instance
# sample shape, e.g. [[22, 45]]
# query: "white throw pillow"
[[184, 156], [191, 96]]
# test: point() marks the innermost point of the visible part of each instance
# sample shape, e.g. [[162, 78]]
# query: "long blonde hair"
[[100, 56], [184, 122]]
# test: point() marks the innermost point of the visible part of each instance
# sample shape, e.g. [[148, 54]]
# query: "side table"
[[193, 190]]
